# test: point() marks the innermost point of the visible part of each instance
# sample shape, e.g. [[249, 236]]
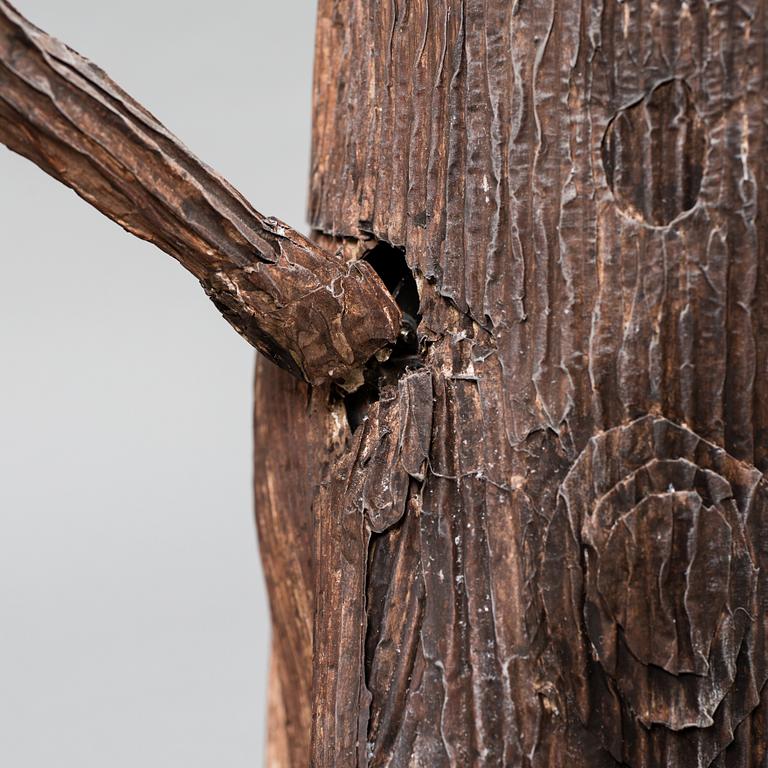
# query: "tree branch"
[[301, 306]]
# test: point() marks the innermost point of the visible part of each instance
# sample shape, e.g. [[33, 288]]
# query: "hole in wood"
[[391, 266], [653, 153]]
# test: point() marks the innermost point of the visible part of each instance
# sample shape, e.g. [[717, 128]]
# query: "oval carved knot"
[[653, 154]]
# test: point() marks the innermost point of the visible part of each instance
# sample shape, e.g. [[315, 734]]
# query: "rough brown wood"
[[287, 475], [537, 535], [547, 545], [290, 299]]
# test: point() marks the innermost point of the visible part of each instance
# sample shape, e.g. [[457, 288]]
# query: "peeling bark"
[[294, 302]]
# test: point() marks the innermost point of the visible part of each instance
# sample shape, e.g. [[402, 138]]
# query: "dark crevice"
[[388, 640], [390, 265]]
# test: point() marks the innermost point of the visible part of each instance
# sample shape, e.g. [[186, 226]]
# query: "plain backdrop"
[[133, 618]]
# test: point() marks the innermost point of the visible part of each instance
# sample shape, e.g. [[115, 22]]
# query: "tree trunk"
[[539, 535], [521, 518]]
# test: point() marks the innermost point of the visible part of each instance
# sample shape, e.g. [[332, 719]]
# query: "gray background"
[[133, 619]]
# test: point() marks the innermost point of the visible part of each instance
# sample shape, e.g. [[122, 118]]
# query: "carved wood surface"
[[574, 572], [536, 534], [297, 304]]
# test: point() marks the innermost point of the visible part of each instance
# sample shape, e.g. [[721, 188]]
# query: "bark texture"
[[547, 542], [537, 532], [296, 303]]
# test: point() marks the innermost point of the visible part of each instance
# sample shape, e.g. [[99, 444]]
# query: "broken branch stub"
[[304, 308]]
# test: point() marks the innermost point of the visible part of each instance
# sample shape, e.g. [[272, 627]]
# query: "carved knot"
[[653, 154], [654, 556]]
